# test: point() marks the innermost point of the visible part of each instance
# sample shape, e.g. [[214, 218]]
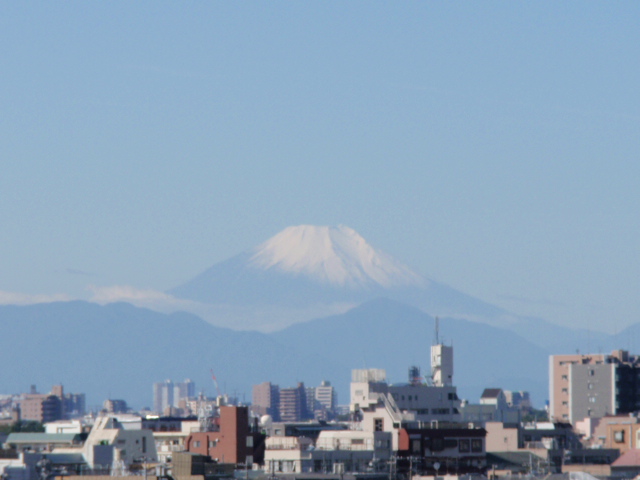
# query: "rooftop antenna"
[[437, 331]]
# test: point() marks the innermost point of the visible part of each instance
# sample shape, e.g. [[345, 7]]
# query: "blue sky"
[[492, 146]]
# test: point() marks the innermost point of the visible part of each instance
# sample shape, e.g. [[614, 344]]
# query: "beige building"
[[40, 407], [502, 437], [582, 386]]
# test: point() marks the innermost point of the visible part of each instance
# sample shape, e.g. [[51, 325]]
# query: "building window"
[[592, 372], [564, 377], [565, 390], [378, 425], [590, 386], [464, 446], [618, 436], [415, 446], [437, 445], [440, 411], [250, 442], [196, 444], [476, 445]]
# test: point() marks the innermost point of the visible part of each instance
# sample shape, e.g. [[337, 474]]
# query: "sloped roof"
[[519, 459], [631, 458], [491, 393]]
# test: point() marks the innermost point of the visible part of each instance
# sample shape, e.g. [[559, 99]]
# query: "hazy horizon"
[[490, 147]]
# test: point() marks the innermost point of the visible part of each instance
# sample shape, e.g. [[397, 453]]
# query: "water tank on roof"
[[266, 421]]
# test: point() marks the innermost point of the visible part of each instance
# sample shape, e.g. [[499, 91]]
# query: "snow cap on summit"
[[337, 256]]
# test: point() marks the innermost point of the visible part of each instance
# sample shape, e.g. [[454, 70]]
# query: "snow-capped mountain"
[[336, 256], [292, 275]]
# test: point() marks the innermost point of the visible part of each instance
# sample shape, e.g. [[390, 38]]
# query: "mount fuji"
[[308, 271]]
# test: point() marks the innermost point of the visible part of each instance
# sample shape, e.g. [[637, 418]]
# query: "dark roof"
[[66, 458], [511, 459], [43, 438], [491, 392]]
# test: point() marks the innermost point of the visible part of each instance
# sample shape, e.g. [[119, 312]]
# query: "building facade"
[[584, 386], [266, 400], [232, 441], [162, 395], [293, 404]]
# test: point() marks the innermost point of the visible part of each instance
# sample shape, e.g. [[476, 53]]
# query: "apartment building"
[[583, 386], [232, 440], [266, 400], [293, 404]]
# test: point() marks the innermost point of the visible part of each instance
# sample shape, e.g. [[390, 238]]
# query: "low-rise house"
[[334, 451], [66, 426], [557, 445], [627, 465], [440, 450], [191, 466], [109, 443], [171, 434], [493, 407], [621, 432]]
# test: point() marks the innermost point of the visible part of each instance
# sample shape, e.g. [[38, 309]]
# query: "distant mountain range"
[[119, 351], [309, 268], [306, 272]]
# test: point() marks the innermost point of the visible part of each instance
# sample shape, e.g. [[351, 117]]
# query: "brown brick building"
[[232, 440]]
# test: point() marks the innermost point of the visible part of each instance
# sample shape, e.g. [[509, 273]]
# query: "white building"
[[442, 365], [335, 451], [168, 443], [183, 391], [65, 426], [162, 395], [326, 396], [109, 443], [385, 407]]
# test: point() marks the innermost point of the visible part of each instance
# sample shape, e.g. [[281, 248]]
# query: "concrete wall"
[[591, 391], [559, 381], [500, 438]]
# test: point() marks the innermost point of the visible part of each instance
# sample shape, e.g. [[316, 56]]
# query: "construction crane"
[[215, 382]]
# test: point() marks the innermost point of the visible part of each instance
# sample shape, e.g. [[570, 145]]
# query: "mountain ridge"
[[283, 272], [119, 350]]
